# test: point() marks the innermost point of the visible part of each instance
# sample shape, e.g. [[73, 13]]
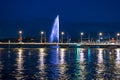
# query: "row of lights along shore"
[[62, 34], [41, 33]]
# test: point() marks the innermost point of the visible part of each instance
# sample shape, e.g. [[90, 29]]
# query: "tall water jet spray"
[[54, 37]]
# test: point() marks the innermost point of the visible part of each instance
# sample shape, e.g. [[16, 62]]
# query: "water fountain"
[[54, 37]]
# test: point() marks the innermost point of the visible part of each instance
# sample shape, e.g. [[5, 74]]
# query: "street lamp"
[[81, 36], [45, 37], [89, 38], [118, 34], [20, 35], [109, 36], [100, 34], [41, 35], [62, 33]]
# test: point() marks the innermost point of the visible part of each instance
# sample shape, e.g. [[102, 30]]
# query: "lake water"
[[60, 64]]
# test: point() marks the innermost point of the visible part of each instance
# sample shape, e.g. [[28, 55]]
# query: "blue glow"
[[54, 37], [54, 56], [78, 54], [89, 55]]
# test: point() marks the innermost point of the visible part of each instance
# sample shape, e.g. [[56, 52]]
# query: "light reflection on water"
[[20, 62], [100, 56], [117, 63], [41, 62], [60, 63]]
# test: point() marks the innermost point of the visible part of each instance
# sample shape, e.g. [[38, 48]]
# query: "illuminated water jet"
[[54, 37]]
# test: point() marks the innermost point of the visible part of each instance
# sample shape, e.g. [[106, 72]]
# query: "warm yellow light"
[[42, 50], [62, 49], [62, 33]]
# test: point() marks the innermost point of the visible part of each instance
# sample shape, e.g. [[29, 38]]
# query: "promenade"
[[60, 44]]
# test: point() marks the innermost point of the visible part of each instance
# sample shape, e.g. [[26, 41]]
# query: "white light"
[[118, 34], [81, 33], [42, 32], [20, 32], [100, 34]]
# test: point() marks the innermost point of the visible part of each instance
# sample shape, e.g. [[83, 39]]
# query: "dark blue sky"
[[32, 16]]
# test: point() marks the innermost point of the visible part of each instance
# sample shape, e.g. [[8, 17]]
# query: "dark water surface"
[[60, 64]]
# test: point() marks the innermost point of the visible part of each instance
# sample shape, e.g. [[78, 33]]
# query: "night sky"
[[32, 16]]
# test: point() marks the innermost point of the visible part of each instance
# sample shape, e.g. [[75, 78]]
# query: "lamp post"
[[118, 34], [109, 37], [100, 34], [20, 35], [89, 38], [62, 33], [41, 35], [81, 36], [45, 37]]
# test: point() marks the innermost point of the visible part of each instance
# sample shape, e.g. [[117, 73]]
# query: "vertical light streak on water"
[[62, 56], [117, 63], [118, 55], [54, 62], [79, 66], [117, 58], [57, 55], [100, 55], [1, 65], [100, 65], [41, 62], [89, 55], [77, 70], [82, 65], [20, 62], [78, 54], [41, 58], [82, 55], [62, 62], [54, 56]]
